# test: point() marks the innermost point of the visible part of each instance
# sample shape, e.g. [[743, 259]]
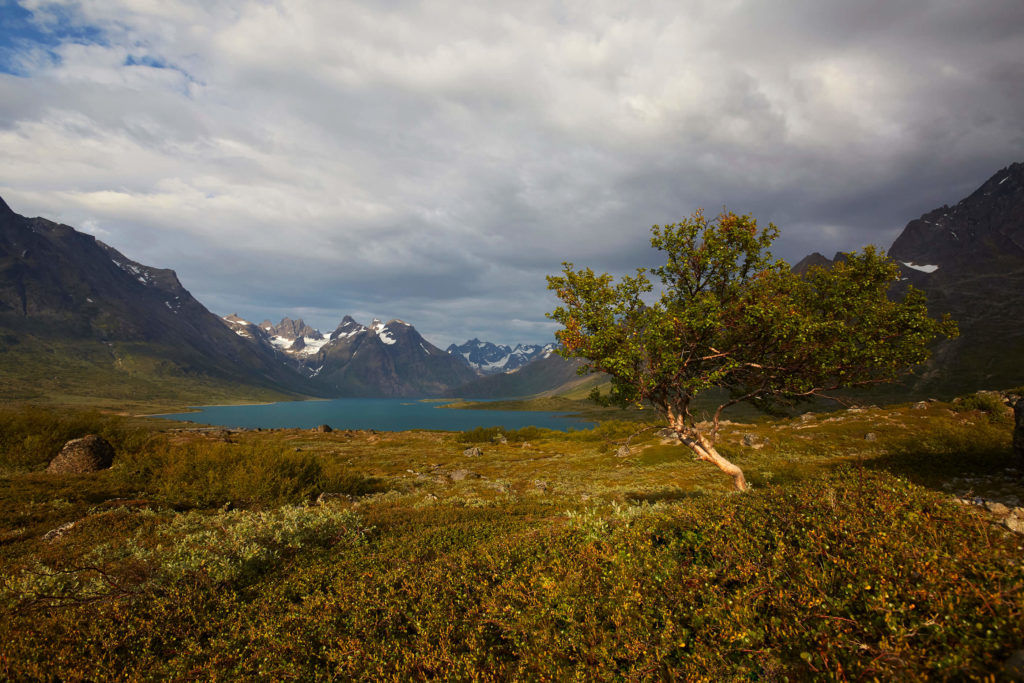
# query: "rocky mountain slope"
[[68, 297]]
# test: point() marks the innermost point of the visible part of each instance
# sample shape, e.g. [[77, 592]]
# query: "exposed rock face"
[[89, 454]]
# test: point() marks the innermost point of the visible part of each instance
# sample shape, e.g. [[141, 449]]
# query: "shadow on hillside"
[[955, 461]]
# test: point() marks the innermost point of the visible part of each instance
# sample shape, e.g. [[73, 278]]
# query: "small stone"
[[459, 475], [871, 436], [921, 405], [323, 429], [473, 452], [622, 452], [541, 485], [996, 508], [751, 440], [500, 439]]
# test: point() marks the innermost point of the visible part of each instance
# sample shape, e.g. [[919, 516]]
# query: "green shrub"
[[988, 402], [489, 434], [211, 474]]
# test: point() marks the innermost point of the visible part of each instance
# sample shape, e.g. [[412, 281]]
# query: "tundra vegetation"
[[204, 554], [730, 317]]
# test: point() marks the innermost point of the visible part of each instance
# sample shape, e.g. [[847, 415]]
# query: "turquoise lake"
[[382, 414]]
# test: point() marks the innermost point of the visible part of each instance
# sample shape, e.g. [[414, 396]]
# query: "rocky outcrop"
[[89, 454]]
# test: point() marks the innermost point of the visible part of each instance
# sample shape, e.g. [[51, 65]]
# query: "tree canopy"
[[728, 315]]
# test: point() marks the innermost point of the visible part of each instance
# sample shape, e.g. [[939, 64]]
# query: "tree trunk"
[[705, 450]]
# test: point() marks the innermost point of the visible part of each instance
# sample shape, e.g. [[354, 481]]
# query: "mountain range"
[[77, 317]]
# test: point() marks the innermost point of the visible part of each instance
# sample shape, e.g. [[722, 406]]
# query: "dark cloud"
[[434, 163]]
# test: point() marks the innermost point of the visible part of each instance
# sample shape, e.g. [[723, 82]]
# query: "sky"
[[433, 161]]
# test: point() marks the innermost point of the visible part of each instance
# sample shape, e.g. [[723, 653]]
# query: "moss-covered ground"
[[203, 554]]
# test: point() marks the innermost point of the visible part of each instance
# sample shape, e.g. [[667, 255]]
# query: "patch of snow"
[[923, 269], [313, 346], [385, 336], [1004, 180], [424, 349], [89, 300], [280, 342]]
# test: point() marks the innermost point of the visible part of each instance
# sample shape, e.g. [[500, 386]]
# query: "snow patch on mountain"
[[923, 269]]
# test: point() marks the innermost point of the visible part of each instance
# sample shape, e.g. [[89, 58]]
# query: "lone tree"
[[729, 316]]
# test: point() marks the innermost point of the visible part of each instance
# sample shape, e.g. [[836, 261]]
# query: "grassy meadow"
[[205, 554]]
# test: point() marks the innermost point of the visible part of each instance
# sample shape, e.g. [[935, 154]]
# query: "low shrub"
[[988, 402], [211, 474]]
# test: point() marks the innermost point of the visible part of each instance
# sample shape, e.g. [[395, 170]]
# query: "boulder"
[[323, 429], [622, 452], [91, 453], [473, 452]]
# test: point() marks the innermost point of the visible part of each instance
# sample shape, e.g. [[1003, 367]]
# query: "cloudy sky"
[[432, 161]]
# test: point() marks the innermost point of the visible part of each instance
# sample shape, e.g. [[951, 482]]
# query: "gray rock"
[[473, 452], [54, 534], [1015, 524], [996, 507], [622, 452], [500, 438], [541, 485], [323, 429], [89, 454], [871, 436], [459, 475]]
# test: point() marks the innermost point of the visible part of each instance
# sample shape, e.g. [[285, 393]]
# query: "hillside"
[[545, 558], [78, 318]]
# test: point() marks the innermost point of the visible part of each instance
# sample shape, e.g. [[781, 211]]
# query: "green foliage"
[[729, 316], [251, 474], [489, 434]]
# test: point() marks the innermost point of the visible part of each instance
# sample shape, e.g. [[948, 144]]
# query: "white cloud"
[[342, 157]]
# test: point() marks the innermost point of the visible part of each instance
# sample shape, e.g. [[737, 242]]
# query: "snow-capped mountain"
[[379, 359], [490, 359]]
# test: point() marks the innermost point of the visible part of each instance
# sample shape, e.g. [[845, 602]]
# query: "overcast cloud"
[[432, 161]]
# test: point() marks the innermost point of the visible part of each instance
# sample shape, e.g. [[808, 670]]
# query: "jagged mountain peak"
[[489, 358]]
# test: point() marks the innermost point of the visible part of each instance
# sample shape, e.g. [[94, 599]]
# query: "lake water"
[[382, 414]]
